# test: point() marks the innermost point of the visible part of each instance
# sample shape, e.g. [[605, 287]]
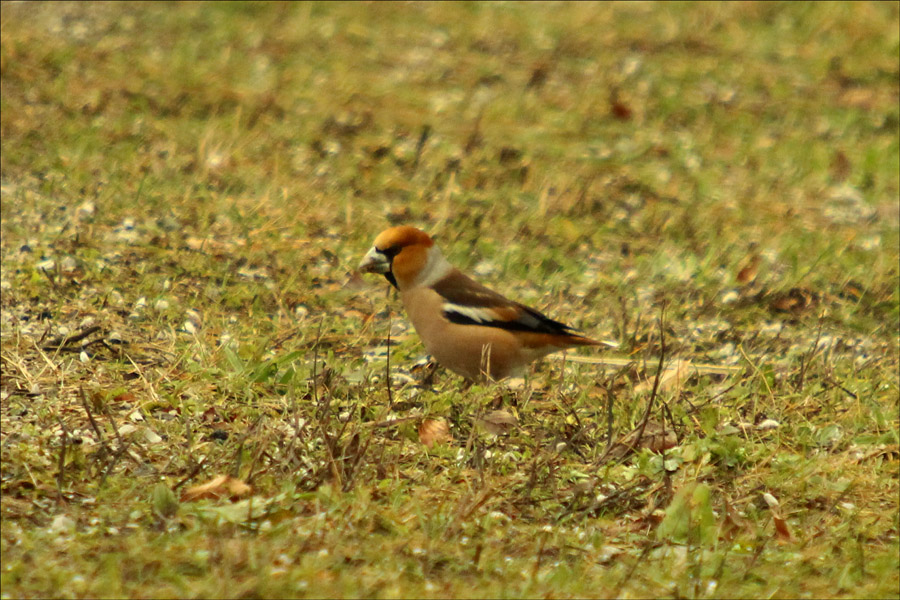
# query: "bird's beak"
[[375, 262]]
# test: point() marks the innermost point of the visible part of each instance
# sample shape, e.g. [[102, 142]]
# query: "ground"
[[201, 397]]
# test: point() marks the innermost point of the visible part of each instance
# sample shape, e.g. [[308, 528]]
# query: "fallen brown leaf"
[[655, 438], [125, 397], [888, 451], [782, 530], [795, 300], [497, 422], [672, 376], [749, 271], [734, 524], [218, 487], [434, 431]]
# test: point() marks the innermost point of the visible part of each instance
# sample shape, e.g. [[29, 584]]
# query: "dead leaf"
[[887, 451], [795, 300], [659, 441], [782, 530], [734, 524], [618, 108], [498, 422], [655, 438], [220, 486], [859, 97], [434, 431], [749, 271], [125, 397], [852, 290], [210, 414], [672, 376]]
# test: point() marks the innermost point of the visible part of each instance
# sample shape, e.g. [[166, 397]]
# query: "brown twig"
[[93, 421], [532, 479], [107, 451], [315, 375], [59, 342], [387, 368], [808, 356], [61, 474], [238, 454], [659, 370], [639, 430], [50, 278], [539, 557]]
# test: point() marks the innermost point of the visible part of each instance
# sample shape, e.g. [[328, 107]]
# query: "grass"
[[191, 185]]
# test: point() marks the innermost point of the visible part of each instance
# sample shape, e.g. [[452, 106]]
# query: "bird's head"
[[406, 256]]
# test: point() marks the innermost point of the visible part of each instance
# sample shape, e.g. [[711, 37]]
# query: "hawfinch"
[[465, 326]]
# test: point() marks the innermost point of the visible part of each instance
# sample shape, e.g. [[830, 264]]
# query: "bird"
[[467, 327]]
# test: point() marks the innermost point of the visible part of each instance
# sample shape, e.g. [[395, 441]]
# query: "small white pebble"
[[485, 268], [85, 210], [69, 264], [115, 298], [768, 424], [730, 297], [62, 524]]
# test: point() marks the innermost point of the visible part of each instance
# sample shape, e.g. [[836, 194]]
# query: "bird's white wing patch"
[[479, 315]]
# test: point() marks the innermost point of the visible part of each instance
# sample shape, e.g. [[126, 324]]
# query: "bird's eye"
[[391, 251]]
